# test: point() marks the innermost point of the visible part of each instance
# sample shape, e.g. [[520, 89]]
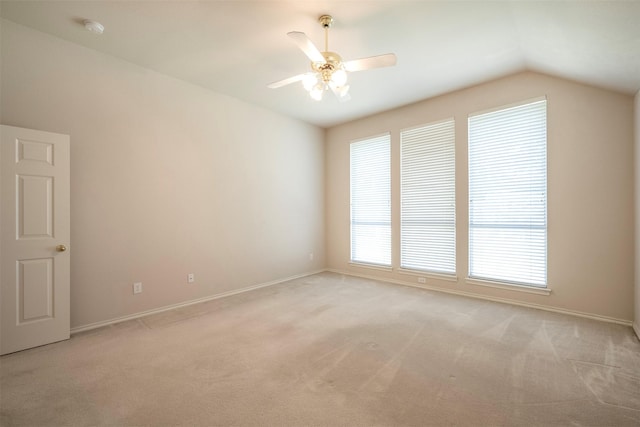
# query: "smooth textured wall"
[[590, 191], [167, 178]]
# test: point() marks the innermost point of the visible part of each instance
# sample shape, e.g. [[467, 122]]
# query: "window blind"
[[427, 193], [508, 195], [371, 201]]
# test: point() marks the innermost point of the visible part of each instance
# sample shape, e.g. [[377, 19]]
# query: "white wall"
[[590, 191], [167, 178], [636, 318]]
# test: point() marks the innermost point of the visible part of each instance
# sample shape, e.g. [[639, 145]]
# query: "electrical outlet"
[[191, 278], [422, 280], [137, 288], [311, 256]]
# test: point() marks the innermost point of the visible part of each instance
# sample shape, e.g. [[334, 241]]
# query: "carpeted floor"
[[332, 350]]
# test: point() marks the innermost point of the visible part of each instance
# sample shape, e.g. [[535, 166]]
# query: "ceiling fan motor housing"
[[333, 62]]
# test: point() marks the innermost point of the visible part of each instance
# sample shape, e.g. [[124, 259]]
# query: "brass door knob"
[[61, 248]]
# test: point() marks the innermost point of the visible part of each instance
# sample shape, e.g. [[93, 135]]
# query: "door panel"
[[35, 220], [35, 207], [35, 281]]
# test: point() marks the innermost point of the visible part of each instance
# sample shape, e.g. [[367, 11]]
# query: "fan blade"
[[342, 92], [379, 61], [285, 82], [307, 46]]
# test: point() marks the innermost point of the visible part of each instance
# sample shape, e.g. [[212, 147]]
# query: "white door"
[[34, 238]]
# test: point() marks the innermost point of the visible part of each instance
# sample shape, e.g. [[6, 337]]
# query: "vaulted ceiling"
[[238, 47]]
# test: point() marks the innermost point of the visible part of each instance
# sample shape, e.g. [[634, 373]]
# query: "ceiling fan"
[[328, 70]]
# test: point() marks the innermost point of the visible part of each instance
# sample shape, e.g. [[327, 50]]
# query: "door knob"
[[61, 248]]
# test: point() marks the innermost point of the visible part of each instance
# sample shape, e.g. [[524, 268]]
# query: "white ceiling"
[[238, 47]]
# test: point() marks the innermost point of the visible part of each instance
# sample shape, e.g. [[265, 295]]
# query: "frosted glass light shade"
[[339, 77], [317, 91], [309, 80], [343, 91]]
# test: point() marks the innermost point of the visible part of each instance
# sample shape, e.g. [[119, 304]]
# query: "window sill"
[[429, 274], [509, 287], [370, 266]]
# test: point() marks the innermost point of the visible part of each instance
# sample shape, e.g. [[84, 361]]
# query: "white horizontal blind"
[[508, 195], [428, 193], [371, 201]]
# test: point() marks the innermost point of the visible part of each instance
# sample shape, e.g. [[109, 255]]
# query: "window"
[[508, 195], [428, 217], [371, 201]]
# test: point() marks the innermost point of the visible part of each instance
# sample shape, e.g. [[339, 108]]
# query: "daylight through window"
[[508, 195], [371, 201]]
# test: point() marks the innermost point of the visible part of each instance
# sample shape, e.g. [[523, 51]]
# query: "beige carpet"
[[330, 350]]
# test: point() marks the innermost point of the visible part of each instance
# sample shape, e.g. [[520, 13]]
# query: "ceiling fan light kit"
[[328, 71]]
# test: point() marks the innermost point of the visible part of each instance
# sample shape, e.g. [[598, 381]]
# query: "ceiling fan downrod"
[[326, 21], [333, 61]]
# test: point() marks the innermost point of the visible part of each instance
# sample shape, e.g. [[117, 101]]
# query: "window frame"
[[435, 138], [473, 277], [384, 138]]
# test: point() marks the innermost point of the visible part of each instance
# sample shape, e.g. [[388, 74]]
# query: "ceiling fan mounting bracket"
[[326, 21]]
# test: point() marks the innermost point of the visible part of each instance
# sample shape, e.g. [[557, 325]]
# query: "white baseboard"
[[495, 299], [83, 328], [103, 323]]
